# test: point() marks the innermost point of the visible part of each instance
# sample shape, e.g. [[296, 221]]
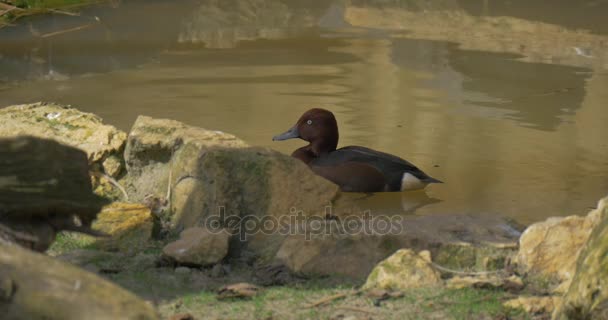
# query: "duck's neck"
[[313, 150]]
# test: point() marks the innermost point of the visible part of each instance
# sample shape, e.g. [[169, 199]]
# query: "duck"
[[352, 168]]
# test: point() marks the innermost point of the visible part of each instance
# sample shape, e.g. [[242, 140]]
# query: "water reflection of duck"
[[353, 168]]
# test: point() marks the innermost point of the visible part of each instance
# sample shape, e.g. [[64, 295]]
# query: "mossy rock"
[[129, 225]]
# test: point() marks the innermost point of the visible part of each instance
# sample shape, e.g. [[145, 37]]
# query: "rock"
[[215, 175], [157, 146], [35, 286], [82, 130], [549, 249], [458, 242], [199, 247], [351, 256], [587, 296], [533, 305], [129, 226], [404, 270], [44, 188]]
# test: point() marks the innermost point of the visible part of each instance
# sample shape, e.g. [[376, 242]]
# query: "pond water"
[[505, 101]]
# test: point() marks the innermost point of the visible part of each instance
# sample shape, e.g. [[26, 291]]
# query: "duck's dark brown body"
[[353, 168]]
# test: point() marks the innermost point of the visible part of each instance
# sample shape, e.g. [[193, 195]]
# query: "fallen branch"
[[57, 33], [329, 299]]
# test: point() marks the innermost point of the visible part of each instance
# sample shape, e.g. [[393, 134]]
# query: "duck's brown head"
[[317, 126]]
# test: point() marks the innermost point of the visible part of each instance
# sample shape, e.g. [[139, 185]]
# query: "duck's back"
[[392, 167]]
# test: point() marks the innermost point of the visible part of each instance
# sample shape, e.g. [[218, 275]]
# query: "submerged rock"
[[102, 143], [34, 286], [587, 296], [549, 249], [404, 270], [199, 247]]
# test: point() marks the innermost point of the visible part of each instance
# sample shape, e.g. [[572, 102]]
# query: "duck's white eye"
[[309, 121]]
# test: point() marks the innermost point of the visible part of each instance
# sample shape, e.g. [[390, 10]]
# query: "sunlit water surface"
[[511, 112]]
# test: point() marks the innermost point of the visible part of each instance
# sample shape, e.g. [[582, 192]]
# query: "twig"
[[329, 299], [67, 13], [56, 33], [112, 182]]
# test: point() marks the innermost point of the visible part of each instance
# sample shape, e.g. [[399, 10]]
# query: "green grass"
[[31, 7], [69, 241], [195, 292]]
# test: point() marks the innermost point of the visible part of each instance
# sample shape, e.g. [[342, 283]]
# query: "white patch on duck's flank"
[[410, 182]]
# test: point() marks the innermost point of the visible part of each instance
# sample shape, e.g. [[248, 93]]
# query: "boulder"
[[34, 286], [199, 247], [351, 256], [405, 269], [208, 175], [102, 143], [587, 295], [157, 147], [548, 250], [339, 247], [128, 225]]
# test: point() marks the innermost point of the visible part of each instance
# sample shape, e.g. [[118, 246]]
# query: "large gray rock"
[[587, 296], [456, 242], [102, 143], [199, 247], [214, 174], [34, 286]]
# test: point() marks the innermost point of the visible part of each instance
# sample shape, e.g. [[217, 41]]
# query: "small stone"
[[199, 246], [182, 270], [112, 166]]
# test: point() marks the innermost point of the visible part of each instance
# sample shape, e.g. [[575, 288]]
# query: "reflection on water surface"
[[505, 106]]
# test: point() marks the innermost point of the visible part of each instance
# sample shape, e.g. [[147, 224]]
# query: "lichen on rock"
[[405, 269], [70, 126]]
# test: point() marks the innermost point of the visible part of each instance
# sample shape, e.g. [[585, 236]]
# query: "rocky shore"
[[185, 209]]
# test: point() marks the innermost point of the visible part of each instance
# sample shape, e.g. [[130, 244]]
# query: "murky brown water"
[[506, 102]]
